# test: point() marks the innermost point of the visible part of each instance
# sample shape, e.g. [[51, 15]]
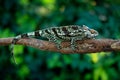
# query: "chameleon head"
[[90, 33]]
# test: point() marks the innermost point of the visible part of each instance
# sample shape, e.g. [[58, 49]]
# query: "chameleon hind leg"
[[56, 41], [73, 43]]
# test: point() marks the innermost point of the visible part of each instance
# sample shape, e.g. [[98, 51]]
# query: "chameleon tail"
[[25, 35], [12, 53], [12, 48]]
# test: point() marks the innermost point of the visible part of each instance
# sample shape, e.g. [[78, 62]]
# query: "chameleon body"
[[63, 33]]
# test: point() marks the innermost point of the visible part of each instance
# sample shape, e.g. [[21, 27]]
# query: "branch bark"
[[86, 46]]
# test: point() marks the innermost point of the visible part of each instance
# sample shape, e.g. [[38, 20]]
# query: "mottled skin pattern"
[[63, 33]]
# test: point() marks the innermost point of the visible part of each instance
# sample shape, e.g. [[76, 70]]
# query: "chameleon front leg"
[[73, 42], [58, 44]]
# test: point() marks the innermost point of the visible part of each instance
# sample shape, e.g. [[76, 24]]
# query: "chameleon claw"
[[58, 46]]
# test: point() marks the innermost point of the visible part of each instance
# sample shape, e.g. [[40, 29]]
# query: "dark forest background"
[[21, 16]]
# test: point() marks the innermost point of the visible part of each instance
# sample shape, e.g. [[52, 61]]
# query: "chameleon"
[[63, 33]]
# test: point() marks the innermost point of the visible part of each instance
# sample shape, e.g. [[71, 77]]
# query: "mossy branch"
[[86, 46]]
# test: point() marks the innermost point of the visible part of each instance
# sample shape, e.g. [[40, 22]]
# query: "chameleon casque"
[[59, 34]]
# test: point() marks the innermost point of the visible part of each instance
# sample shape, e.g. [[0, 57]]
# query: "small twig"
[[86, 46]]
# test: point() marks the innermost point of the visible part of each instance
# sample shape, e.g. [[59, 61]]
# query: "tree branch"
[[86, 46]]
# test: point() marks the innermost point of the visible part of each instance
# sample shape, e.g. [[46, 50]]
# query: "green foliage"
[[20, 16]]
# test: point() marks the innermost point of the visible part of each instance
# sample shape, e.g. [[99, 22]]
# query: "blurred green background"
[[20, 16]]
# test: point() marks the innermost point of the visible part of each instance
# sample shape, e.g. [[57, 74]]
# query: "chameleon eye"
[[92, 31]]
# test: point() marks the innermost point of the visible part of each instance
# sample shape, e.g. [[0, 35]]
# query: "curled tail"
[[12, 47]]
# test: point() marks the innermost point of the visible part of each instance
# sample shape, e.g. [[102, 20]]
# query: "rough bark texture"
[[86, 46]]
